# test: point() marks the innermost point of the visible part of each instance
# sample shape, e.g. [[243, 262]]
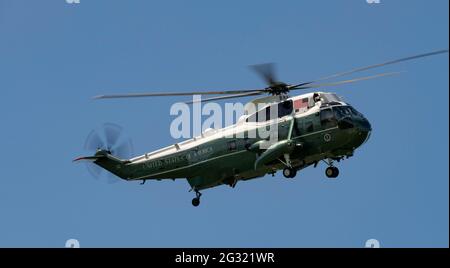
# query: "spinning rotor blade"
[[93, 141], [124, 150], [345, 81], [227, 97], [94, 170], [162, 94], [112, 134], [373, 66], [109, 137], [266, 71]]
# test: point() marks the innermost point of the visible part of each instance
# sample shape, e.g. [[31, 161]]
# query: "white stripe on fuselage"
[[222, 156]]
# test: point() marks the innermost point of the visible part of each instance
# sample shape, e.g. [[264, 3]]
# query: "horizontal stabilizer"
[[89, 158]]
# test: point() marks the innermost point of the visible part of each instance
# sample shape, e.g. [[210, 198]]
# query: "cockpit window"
[[327, 118], [341, 112], [308, 126], [355, 112]]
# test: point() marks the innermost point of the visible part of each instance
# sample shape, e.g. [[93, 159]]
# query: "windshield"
[[330, 97], [342, 111]]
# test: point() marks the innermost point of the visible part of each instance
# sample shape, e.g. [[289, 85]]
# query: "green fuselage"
[[329, 132]]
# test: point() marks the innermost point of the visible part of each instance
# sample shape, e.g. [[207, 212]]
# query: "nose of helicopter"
[[364, 130], [365, 125]]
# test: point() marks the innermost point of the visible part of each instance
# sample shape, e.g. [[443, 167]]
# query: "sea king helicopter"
[[310, 128]]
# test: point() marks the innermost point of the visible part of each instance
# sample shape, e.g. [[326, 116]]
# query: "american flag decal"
[[302, 103]]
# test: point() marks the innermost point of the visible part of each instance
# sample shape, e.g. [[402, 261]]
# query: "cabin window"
[[327, 118], [231, 145], [247, 142], [264, 115], [309, 126], [284, 108]]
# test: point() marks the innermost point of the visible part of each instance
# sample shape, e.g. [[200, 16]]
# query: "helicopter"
[[309, 128]]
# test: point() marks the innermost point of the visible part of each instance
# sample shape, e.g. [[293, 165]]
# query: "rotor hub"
[[278, 88]]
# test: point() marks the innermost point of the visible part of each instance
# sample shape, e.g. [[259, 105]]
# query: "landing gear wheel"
[[196, 201], [332, 172], [336, 172], [329, 172], [289, 172]]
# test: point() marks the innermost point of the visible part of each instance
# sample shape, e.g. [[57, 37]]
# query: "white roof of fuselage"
[[211, 134]]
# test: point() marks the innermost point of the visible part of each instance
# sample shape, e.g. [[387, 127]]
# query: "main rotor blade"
[[162, 94], [374, 66], [345, 81], [227, 97], [266, 71]]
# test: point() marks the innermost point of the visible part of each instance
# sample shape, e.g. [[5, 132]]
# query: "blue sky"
[[54, 57]]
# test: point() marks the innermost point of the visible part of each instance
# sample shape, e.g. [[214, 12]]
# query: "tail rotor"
[[110, 138]]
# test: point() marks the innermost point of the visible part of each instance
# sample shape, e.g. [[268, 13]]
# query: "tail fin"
[[107, 161]]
